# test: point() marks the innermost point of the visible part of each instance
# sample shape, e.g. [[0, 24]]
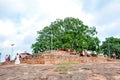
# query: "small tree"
[[111, 45]]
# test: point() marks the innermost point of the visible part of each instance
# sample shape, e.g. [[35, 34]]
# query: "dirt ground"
[[83, 71]]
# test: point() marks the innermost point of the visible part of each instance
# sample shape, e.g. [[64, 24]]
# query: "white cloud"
[[8, 30], [23, 18], [33, 15], [106, 17], [12, 5]]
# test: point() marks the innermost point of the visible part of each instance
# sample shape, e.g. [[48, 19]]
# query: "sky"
[[21, 19]]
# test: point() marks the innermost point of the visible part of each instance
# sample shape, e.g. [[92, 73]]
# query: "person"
[[9, 57], [6, 58], [17, 59], [114, 55]]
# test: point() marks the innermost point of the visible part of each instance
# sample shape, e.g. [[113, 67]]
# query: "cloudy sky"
[[21, 19]]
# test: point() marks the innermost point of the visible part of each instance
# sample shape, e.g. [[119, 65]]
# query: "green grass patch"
[[68, 63], [64, 69]]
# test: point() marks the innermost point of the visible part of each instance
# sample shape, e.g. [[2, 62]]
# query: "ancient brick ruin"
[[56, 57]]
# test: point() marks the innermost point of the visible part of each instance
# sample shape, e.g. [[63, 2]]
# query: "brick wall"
[[57, 57]]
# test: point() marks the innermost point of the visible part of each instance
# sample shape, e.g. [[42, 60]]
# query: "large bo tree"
[[69, 33], [111, 45]]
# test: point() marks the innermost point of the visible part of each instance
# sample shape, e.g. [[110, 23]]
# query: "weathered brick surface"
[[59, 57]]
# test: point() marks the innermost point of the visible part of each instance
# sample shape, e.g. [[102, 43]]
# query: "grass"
[[68, 63], [65, 67]]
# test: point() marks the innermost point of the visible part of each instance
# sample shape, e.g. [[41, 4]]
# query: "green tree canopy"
[[69, 33], [111, 45]]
